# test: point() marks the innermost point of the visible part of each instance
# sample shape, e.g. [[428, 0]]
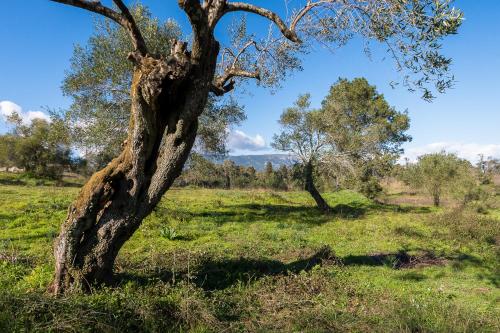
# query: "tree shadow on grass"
[[65, 183], [250, 213], [221, 274], [29, 237], [256, 212], [12, 182], [218, 274], [385, 207], [212, 273], [397, 260], [215, 274], [425, 258], [487, 271]]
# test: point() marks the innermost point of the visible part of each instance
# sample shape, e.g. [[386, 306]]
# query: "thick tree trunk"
[[309, 187], [167, 96]]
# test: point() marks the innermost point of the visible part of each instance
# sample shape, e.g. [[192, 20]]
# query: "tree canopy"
[[364, 132], [439, 174], [355, 132], [99, 79]]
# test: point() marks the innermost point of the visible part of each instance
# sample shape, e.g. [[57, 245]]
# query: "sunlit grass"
[[214, 260]]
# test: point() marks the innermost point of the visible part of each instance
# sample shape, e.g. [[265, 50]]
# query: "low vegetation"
[[213, 260], [443, 173]]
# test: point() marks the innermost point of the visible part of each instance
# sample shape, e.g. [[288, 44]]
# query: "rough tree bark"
[[168, 95], [313, 191]]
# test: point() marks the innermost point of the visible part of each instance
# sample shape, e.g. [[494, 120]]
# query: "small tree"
[[487, 169], [8, 155], [230, 170], [268, 169], [41, 147], [304, 136], [438, 174]]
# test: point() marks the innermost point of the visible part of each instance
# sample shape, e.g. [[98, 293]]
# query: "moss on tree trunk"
[[168, 96]]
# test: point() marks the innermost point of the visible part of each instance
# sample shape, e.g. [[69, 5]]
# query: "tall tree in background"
[[362, 126], [355, 131], [170, 91]]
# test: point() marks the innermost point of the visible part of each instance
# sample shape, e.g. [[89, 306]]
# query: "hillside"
[[256, 161]]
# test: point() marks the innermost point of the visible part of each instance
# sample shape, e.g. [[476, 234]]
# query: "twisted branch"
[[124, 18], [288, 31]]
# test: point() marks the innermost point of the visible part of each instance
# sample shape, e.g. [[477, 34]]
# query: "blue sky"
[[37, 39]]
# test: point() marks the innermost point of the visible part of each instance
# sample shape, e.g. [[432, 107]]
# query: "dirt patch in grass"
[[405, 260], [399, 260]]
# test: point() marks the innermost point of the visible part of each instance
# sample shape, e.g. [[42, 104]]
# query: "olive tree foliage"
[[169, 93], [439, 174], [355, 135], [411, 31], [364, 132], [304, 136], [99, 80]]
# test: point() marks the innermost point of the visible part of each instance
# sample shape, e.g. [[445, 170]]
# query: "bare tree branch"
[[246, 7], [197, 17], [220, 85], [132, 28], [124, 19], [288, 31], [300, 15]]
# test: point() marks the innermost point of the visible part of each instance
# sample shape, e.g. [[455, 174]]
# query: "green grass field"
[[230, 261]]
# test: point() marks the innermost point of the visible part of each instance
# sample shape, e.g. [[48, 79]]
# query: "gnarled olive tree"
[[169, 93]]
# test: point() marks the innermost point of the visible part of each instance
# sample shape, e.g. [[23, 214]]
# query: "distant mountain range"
[[257, 161]]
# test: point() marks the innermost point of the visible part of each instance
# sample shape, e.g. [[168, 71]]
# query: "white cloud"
[[469, 151], [239, 140], [7, 108]]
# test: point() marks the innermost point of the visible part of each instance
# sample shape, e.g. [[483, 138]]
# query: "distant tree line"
[[41, 148], [201, 172]]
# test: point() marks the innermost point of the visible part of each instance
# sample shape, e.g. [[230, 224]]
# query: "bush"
[[371, 188], [465, 225]]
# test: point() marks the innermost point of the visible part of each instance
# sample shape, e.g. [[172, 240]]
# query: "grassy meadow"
[[259, 261]]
